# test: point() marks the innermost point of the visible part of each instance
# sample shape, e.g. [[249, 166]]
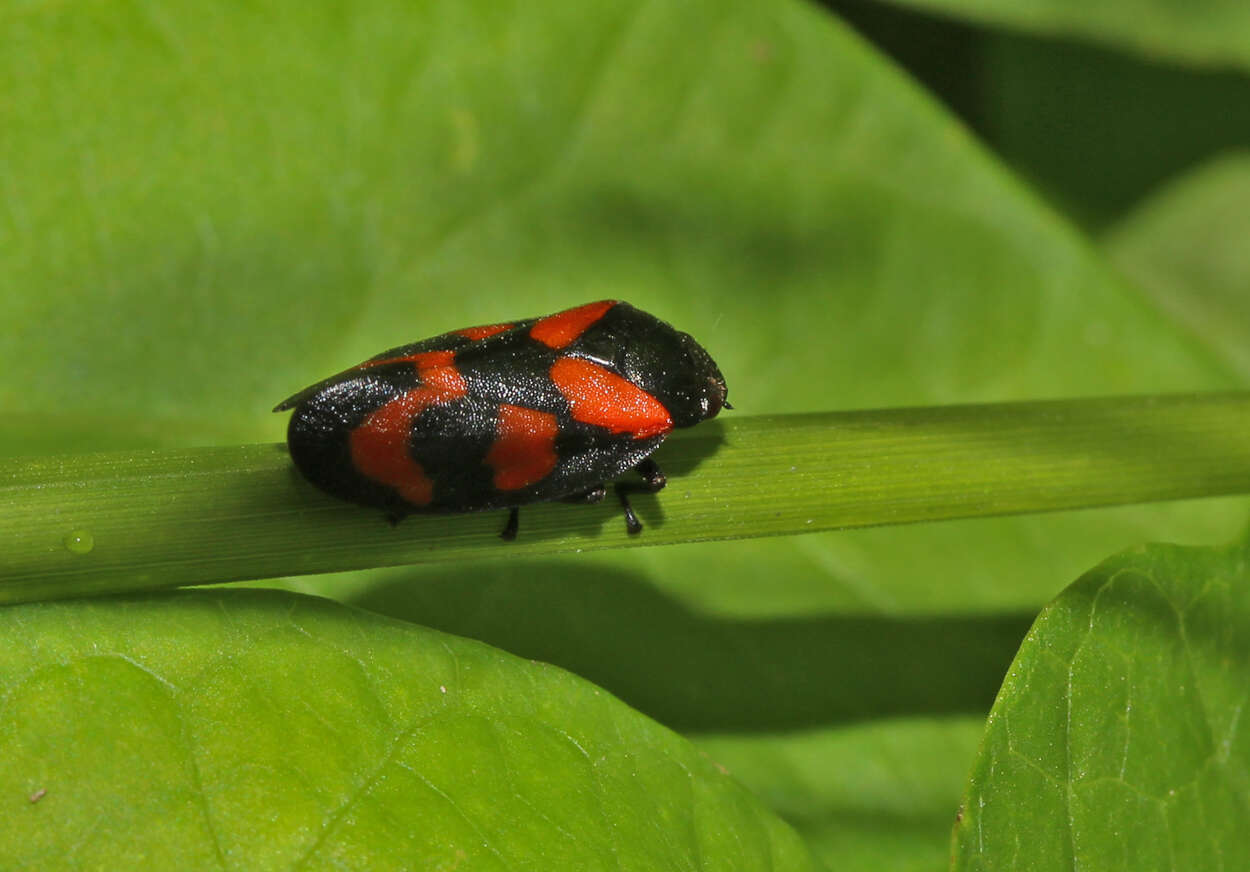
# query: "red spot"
[[425, 360], [372, 363], [476, 333], [562, 328], [379, 445], [524, 450], [606, 400], [437, 369]]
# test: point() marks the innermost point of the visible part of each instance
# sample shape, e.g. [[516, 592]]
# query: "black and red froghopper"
[[502, 415]]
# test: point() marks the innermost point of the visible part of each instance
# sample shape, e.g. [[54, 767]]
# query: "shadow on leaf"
[[704, 672]]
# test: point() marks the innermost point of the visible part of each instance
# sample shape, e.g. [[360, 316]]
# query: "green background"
[[205, 207]]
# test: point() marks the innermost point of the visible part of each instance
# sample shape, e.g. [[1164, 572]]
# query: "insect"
[[498, 416]]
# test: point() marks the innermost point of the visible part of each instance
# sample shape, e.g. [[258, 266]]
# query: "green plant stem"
[[157, 519]]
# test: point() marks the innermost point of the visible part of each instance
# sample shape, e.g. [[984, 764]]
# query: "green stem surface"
[[103, 523]]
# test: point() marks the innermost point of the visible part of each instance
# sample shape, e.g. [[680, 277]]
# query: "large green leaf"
[[1118, 740], [470, 166], [260, 730]]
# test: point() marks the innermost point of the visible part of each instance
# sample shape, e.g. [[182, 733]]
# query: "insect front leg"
[[509, 531], [653, 480]]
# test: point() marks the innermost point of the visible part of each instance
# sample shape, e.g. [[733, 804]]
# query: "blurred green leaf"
[[1186, 247], [265, 730], [204, 284], [1118, 741]]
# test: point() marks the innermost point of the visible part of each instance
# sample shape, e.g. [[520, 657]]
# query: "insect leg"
[[653, 480], [509, 530], [593, 495]]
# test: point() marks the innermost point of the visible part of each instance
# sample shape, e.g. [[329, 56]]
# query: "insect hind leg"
[[653, 480], [590, 495]]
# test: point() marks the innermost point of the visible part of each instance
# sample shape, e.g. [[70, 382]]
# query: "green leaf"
[[1118, 740], [700, 671], [265, 730], [1208, 32], [290, 264], [1186, 248]]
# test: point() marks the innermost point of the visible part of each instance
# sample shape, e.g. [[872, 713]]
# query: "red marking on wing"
[[476, 333], [437, 370], [379, 446], [524, 450], [562, 328], [421, 360], [597, 396]]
